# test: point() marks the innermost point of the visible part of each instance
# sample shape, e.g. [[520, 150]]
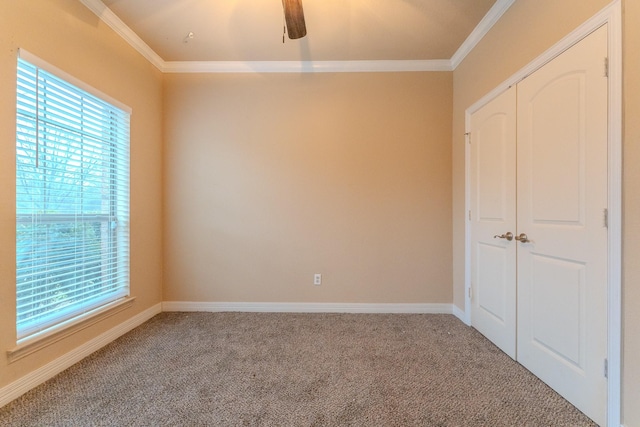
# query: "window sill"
[[57, 333]]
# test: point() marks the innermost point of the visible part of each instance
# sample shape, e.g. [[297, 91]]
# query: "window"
[[72, 198]]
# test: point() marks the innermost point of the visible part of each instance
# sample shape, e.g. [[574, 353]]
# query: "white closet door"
[[562, 196], [493, 213]]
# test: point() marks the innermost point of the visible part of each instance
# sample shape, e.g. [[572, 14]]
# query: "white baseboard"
[[271, 307], [53, 368]]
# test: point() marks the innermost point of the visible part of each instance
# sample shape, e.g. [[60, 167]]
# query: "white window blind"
[[72, 201]]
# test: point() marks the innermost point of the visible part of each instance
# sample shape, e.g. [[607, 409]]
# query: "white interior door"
[[539, 170], [562, 197], [493, 221]]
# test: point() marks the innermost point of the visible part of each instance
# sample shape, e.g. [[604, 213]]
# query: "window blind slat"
[[31, 289], [51, 299]]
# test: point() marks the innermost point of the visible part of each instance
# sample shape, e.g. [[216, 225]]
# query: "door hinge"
[[468, 135], [469, 215], [470, 292], [606, 368], [606, 67], [606, 218]]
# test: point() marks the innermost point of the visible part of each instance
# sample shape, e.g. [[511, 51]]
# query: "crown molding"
[[112, 20], [304, 66], [483, 27]]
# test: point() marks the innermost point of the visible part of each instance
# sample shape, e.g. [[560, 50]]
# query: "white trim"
[[21, 386], [285, 307], [460, 314], [112, 20], [611, 15], [50, 68], [467, 220], [304, 66], [614, 392], [483, 27], [58, 332]]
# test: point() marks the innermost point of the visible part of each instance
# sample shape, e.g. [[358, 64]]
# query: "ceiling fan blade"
[[294, 16]]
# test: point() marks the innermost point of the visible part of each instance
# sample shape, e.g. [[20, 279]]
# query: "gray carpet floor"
[[259, 369]]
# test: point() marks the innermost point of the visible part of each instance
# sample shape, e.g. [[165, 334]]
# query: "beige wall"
[[271, 178], [66, 34], [526, 30]]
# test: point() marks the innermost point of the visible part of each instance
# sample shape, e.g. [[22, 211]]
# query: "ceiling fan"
[[294, 18]]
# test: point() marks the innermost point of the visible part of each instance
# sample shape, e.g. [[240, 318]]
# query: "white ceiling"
[[338, 30]]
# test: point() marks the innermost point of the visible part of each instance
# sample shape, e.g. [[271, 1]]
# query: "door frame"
[[612, 16]]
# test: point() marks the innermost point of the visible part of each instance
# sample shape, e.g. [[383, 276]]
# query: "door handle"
[[522, 238], [508, 236]]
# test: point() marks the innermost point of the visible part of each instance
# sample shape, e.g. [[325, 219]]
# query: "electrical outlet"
[[317, 279]]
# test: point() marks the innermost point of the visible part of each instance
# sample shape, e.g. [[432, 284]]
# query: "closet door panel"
[[562, 195], [493, 194]]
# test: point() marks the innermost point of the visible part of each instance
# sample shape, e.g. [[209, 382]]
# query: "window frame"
[[115, 222]]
